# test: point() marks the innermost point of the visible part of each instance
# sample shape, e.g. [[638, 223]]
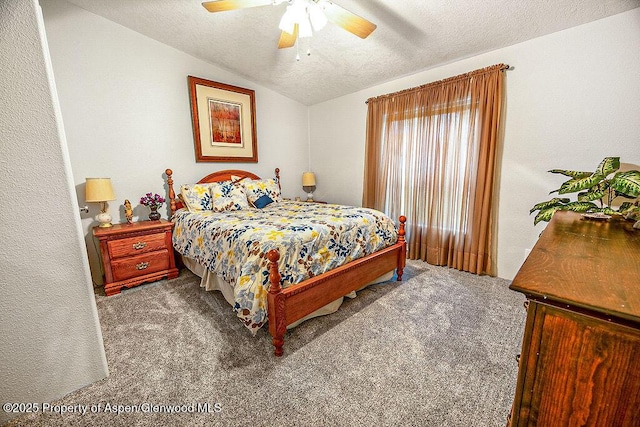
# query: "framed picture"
[[224, 122]]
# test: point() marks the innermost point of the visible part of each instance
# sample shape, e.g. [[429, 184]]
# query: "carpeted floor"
[[437, 349]]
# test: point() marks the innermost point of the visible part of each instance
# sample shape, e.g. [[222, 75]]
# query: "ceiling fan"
[[301, 16]]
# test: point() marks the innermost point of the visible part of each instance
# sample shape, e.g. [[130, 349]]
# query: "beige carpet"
[[434, 350]]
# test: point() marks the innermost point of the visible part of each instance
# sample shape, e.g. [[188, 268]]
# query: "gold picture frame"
[[224, 122]]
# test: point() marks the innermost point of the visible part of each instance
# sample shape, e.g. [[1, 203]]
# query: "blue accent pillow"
[[262, 202]]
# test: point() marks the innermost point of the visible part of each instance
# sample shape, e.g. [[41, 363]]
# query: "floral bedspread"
[[312, 238]]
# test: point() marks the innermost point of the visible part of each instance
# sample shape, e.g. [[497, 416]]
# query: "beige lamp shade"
[[308, 179], [99, 190]]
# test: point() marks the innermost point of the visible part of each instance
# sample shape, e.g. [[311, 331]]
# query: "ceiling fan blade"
[[224, 5], [348, 20], [288, 40]]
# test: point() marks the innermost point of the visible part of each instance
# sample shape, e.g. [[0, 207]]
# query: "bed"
[[284, 261]]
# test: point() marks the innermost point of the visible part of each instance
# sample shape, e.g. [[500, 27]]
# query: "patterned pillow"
[[256, 188], [196, 197], [227, 196]]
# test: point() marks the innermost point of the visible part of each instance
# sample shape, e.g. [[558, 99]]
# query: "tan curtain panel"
[[431, 155]]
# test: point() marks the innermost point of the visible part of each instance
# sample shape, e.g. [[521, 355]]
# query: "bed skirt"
[[210, 281]]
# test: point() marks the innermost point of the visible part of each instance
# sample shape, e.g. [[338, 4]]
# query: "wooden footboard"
[[288, 305]]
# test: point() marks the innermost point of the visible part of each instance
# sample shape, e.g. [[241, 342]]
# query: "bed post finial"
[[172, 194], [274, 275], [401, 230], [402, 255], [275, 306], [278, 178]]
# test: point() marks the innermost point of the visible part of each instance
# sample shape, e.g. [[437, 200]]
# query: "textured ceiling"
[[412, 35]]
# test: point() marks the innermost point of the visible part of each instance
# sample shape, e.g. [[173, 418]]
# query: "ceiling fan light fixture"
[[288, 20], [306, 14], [316, 16], [305, 28]]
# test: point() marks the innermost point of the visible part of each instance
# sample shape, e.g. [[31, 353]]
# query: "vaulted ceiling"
[[411, 36]]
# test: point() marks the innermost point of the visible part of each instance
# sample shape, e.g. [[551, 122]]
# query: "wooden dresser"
[[580, 360], [136, 253]]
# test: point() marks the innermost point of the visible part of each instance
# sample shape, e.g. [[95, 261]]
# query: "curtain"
[[430, 155]]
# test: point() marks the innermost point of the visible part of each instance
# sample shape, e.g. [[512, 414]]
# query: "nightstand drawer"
[[136, 245], [140, 265]]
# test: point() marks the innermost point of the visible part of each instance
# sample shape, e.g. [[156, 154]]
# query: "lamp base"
[[309, 189], [104, 219]]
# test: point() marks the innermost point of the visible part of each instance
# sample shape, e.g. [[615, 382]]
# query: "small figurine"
[[128, 211]]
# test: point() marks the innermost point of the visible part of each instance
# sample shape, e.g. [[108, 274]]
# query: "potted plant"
[[602, 186]]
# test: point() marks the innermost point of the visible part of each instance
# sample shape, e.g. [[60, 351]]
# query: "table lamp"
[[100, 190], [309, 184]]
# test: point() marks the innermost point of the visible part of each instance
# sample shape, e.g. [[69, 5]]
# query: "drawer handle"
[[142, 266], [139, 245]]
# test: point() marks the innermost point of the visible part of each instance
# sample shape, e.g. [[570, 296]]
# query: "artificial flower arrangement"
[[152, 201]]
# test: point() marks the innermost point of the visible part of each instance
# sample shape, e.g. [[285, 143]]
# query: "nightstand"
[[136, 253]]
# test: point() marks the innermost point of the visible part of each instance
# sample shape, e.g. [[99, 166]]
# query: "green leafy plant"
[[602, 186]]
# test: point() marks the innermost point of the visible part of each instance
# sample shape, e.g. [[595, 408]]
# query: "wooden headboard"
[[224, 175]]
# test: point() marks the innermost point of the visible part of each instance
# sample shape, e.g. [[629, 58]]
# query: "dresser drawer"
[[140, 265], [136, 245]]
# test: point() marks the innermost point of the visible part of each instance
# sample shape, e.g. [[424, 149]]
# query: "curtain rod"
[[502, 67]]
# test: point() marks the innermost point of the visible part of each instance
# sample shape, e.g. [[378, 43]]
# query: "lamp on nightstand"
[[100, 190], [309, 184]]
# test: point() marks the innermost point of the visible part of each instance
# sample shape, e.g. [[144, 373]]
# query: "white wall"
[[125, 103], [50, 340], [573, 99]]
